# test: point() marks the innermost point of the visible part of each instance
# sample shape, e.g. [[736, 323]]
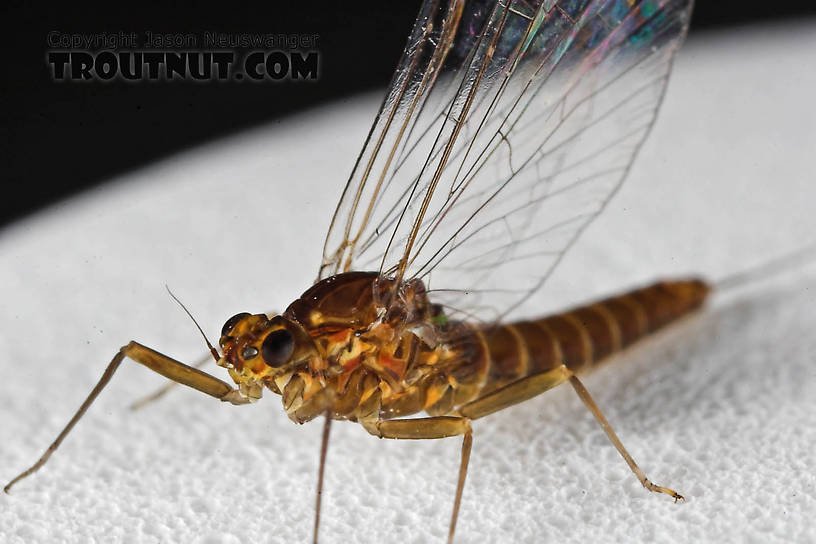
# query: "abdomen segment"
[[583, 336]]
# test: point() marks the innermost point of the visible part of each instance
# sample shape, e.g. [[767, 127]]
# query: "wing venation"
[[508, 126]]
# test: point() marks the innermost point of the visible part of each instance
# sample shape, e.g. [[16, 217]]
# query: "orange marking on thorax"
[[340, 337], [311, 386], [342, 379], [395, 367]]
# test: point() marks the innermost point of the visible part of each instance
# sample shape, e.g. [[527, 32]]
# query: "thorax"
[[373, 362]]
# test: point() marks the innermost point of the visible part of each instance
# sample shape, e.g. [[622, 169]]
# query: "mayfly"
[[508, 126]]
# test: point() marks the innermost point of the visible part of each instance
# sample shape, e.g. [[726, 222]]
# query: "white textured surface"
[[722, 407]]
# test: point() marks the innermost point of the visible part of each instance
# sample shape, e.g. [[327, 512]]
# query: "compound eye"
[[277, 347], [231, 322]]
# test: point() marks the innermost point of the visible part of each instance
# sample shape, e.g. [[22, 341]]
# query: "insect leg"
[[159, 393], [599, 417], [163, 390], [529, 387], [324, 448], [429, 428], [164, 365], [514, 393]]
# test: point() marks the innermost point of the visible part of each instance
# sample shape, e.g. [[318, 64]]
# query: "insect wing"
[[507, 128], [413, 80]]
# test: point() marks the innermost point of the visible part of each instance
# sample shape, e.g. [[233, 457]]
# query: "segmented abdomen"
[[580, 338]]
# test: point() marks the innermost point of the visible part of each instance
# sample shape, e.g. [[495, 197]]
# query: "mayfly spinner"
[[508, 126]]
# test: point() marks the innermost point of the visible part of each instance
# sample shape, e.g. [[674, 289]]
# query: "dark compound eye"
[[278, 347], [249, 352], [231, 322]]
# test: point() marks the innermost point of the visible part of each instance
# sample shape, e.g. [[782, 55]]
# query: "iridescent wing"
[[508, 126]]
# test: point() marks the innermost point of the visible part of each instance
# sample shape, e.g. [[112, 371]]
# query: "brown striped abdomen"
[[583, 336]]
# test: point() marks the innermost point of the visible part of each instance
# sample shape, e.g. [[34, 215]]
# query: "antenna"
[[214, 352]]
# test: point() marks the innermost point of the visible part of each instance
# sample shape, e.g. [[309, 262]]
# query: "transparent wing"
[[507, 128]]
